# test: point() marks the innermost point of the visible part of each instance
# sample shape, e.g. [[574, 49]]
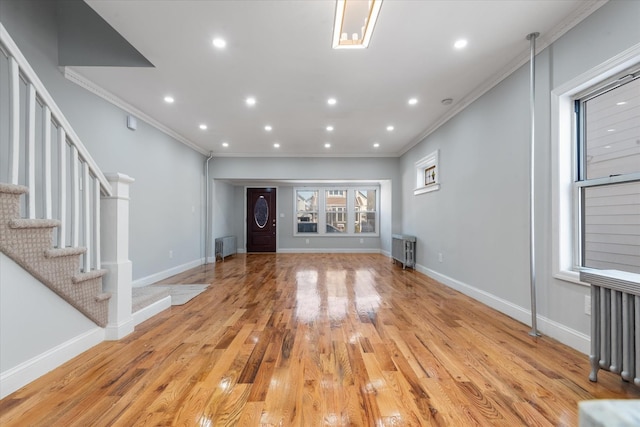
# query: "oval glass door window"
[[261, 212]]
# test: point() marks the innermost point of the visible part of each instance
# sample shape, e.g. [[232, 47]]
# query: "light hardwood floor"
[[317, 340]]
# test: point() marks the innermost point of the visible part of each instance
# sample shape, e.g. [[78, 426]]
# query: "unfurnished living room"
[[319, 213]]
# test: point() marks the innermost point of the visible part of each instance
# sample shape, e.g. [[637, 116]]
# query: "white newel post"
[[114, 214]]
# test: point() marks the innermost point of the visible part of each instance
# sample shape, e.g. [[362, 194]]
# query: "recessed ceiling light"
[[331, 101], [276, 145], [607, 146], [376, 145], [459, 44], [169, 99], [390, 128], [225, 144], [251, 101], [268, 128], [611, 130], [621, 103], [203, 126], [219, 43], [327, 145], [329, 128], [413, 101]]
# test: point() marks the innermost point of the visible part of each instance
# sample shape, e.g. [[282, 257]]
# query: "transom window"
[[347, 211]]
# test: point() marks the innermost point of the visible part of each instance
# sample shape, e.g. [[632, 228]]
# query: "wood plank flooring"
[[317, 340]]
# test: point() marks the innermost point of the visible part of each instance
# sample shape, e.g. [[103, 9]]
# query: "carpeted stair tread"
[[25, 223], [89, 275], [62, 252], [103, 296], [13, 189]]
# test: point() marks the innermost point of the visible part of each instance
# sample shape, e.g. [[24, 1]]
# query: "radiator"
[[225, 246], [403, 250], [615, 324]]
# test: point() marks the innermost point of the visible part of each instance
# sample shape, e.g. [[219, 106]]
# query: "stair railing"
[[39, 149]]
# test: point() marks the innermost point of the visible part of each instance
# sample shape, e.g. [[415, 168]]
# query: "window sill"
[[570, 276], [428, 189]]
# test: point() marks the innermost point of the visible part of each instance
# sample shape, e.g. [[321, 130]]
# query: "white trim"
[[77, 78], [151, 310], [47, 99], [562, 164], [153, 278], [553, 329], [329, 251], [588, 7], [26, 372], [115, 332]]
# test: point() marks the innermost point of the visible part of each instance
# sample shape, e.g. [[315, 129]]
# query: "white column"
[[114, 215]]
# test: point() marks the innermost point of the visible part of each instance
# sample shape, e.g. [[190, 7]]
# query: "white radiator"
[[403, 250], [225, 246], [615, 323]]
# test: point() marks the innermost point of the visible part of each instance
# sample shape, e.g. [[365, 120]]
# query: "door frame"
[[244, 223]]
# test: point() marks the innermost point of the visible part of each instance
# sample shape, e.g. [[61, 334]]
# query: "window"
[[307, 211], [427, 174], [336, 211], [607, 182], [365, 209]]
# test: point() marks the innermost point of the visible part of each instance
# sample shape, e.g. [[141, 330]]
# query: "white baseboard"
[[21, 375], [385, 253], [161, 275], [568, 336], [327, 251], [114, 332], [151, 310]]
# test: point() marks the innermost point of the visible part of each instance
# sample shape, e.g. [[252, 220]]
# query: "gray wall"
[[478, 220], [167, 199], [256, 172]]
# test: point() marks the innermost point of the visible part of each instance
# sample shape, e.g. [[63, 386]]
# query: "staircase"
[[29, 242]]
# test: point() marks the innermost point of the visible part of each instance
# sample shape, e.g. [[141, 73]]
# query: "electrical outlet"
[[440, 257], [587, 305], [361, 240], [170, 254]]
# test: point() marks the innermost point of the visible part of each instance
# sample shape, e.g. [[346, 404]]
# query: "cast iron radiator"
[[225, 246], [615, 324], [403, 250]]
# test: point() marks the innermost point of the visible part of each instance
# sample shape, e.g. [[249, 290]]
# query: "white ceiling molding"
[[87, 84], [542, 43]]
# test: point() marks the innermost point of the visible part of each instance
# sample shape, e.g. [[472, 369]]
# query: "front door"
[[261, 219]]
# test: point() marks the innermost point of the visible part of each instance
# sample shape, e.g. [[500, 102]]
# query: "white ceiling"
[[280, 52]]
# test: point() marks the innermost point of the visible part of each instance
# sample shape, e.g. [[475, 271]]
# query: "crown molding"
[[77, 78], [587, 8]]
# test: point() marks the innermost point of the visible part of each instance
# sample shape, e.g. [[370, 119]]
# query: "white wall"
[[478, 220], [38, 329]]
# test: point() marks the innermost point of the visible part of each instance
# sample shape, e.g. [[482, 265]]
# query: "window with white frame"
[[427, 174], [347, 211], [607, 174]]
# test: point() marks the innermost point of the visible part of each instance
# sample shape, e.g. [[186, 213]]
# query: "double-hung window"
[[336, 211], [607, 182]]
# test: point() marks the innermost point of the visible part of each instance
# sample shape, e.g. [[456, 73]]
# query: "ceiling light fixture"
[[225, 144], [329, 128], [413, 101], [268, 128], [356, 18], [460, 44], [390, 128], [251, 101], [219, 43], [331, 101], [276, 145], [621, 103], [169, 99], [327, 145], [203, 126], [376, 145]]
